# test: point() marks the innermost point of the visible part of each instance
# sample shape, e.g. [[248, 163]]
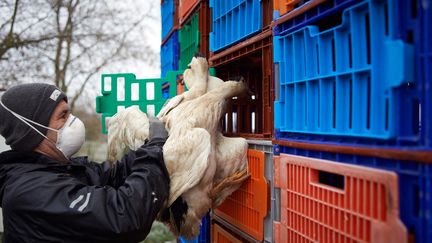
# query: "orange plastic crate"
[[180, 87], [324, 201], [219, 235], [185, 8], [247, 207], [284, 6]]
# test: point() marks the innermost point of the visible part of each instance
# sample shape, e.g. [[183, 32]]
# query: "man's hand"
[[157, 129]]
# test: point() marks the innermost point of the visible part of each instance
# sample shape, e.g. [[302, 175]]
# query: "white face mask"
[[70, 137]]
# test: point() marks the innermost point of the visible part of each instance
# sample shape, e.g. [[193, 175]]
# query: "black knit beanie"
[[35, 101]]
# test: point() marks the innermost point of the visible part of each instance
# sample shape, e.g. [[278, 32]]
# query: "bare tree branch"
[[9, 41], [96, 70], [14, 17], [69, 42]]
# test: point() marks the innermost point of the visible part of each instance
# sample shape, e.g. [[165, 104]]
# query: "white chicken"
[[204, 166]]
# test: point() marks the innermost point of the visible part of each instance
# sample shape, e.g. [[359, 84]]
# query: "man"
[[47, 196]]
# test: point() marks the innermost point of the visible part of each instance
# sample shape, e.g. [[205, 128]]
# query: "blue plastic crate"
[[346, 79], [166, 90], [204, 236], [167, 13], [425, 56], [415, 186], [233, 20], [321, 12], [415, 26], [413, 99], [169, 54]]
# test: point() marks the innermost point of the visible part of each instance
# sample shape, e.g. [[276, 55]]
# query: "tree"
[[68, 42], [13, 39]]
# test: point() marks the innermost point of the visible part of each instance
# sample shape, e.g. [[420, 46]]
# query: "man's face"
[[58, 119]]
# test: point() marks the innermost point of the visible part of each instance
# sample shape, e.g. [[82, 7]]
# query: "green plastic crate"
[[123, 90], [189, 38]]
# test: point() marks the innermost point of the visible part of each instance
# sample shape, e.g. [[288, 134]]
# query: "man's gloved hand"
[[157, 129]]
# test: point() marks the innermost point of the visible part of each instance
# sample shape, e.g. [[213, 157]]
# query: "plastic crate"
[[344, 80], [186, 8], [194, 35], [251, 115], [204, 235], [166, 89], [233, 21], [412, 99], [220, 235], [122, 90], [181, 86], [414, 22], [247, 207], [415, 186], [425, 66], [169, 16], [189, 37], [169, 54], [324, 201], [267, 147], [281, 7]]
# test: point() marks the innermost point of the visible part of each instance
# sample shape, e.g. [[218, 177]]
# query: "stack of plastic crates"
[[169, 54], [233, 21], [169, 17], [241, 48], [233, 56], [194, 32], [194, 28], [339, 88], [353, 87], [246, 212]]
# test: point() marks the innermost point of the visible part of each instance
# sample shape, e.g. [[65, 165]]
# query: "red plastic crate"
[[247, 207], [324, 201], [186, 7], [251, 116], [219, 235]]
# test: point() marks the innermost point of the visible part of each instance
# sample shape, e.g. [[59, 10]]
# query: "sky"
[[141, 70], [154, 36]]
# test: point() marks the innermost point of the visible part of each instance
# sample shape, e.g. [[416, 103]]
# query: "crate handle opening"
[[328, 179]]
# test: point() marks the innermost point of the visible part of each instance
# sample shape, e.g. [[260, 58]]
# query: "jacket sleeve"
[[96, 213], [106, 173]]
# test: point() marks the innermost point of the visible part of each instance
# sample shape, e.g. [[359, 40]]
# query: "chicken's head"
[[197, 68]]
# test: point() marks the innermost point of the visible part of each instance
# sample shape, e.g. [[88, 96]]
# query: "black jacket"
[[45, 201]]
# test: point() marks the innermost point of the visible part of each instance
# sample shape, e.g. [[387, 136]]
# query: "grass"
[[159, 233]]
